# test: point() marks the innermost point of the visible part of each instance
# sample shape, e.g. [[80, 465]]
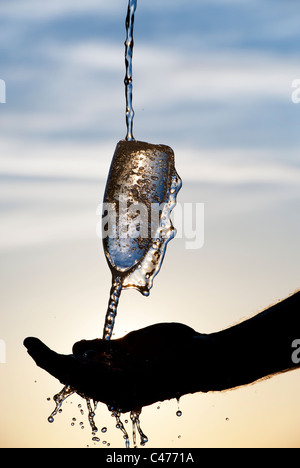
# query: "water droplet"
[[95, 439], [51, 419], [104, 429], [179, 413]]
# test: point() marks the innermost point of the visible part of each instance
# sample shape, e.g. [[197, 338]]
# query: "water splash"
[[59, 399], [178, 412], [67, 391], [129, 43], [91, 416], [142, 175], [142, 277], [134, 416]]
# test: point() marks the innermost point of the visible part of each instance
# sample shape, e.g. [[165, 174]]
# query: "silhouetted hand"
[[148, 365], [168, 360]]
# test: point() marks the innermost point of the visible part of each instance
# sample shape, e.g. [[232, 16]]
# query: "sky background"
[[213, 80]]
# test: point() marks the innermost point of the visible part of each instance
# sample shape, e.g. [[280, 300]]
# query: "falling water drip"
[[134, 416], [129, 43], [178, 412], [91, 416], [119, 425], [59, 399]]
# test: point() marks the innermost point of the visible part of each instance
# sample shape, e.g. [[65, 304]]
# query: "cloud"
[[238, 167], [54, 198], [214, 77], [193, 64], [34, 10], [66, 161], [76, 163], [89, 77]]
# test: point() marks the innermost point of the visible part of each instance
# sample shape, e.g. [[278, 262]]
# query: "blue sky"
[[227, 66]]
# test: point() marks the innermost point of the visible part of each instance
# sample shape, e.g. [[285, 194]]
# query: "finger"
[[59, 366], [90, 379]]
